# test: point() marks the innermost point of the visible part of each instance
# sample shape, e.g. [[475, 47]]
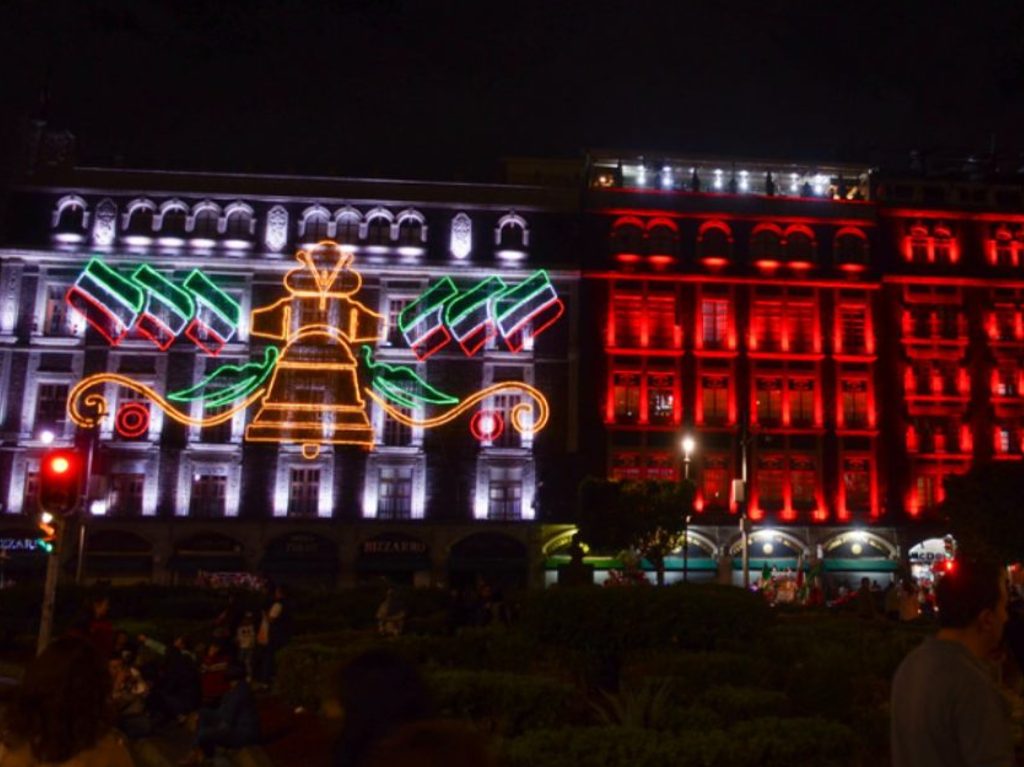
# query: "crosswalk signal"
[[47, 526], [60, 482]]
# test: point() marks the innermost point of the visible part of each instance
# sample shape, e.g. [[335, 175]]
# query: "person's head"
[[432, 744], [62, 706], [100, 606], [973, 596], [865, 583], [377, 692]]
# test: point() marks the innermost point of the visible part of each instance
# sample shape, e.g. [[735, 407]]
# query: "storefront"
[[21, 556], [395, 557], [497, 559], [301, 557], [209, 553], [116, 555], [929, 557]]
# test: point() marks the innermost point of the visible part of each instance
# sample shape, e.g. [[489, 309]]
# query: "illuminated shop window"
[[662, 467], [661, 398], [126, 491], [394, 492], [505, 493], [768, 401], [51, 407], [715, 399], [626, 396], [626, 466], [208, 496], [801, 402], [304, 493], [715, 482], [714, 322], [857, 484]]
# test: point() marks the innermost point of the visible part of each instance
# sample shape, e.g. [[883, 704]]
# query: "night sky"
[[444, 89]]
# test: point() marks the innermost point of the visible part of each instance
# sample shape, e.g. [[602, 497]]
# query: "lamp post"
[[688, 445]]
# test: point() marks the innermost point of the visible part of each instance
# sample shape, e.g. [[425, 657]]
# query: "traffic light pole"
[[50, 588]]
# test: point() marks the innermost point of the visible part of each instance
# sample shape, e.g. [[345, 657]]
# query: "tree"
[[983, 510], [646, 517]]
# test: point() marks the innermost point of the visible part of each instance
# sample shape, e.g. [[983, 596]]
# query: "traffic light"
[[48, 528], [60, 481]]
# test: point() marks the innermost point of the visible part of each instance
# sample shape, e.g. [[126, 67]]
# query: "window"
[[72, 217], [799, 248], [396, 433], [661, 398], [208, 496], [315, 227], [394, 493], [926, 489], [1004, 442], [661, 240], [304, 493], [943, 249], [770, 479], [661, 318], [512, 236], [173, 221], [714, 243], [395, 307], [205, 224], [347, 229], [662, 467], [126, 494], [505, 494], [410, 232], [851, 249], [218, 433], [239, 224], [1004, 323], [1006, 380], [379, 231], [627, 238], [766, 322], [30, 503], [715, 399], [766, 245], [714, 314], [801, 327], [58, 320], [715, 481], [628, 318], [854, 403], [51, 406], [857, 484], [804, 481], [627, 397], [140, 221], [505, 404], [852, 328], [801, 402], [1003, 251], [769, 401]]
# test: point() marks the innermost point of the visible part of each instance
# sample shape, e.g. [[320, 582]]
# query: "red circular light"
[[132, 420], [59, 464]]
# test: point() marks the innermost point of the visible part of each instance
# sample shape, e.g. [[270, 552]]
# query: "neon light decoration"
[[474, 316], [309, 392], [156, 307]]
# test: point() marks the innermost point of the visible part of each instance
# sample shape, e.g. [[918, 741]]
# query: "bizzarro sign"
[[19, 545], [317, 368]]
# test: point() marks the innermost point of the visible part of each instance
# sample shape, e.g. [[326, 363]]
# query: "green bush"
[[734, 704], [694, 672], [613, 747], [775, 742], [505, 703]]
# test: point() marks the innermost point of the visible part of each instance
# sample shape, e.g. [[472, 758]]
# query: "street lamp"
[[688, 444]]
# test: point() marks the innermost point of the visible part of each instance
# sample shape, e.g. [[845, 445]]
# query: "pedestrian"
[[865, 599], [234, 723], [212, 669], [891, 601], [910, 605], [274, 633], [245, 639], [390, 615], [177, 691], [946, 706], [101, 630], [129, 693], [62, 712], [376, 694]]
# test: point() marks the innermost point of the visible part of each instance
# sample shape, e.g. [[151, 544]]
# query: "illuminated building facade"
[[348, 378], [843, 339]]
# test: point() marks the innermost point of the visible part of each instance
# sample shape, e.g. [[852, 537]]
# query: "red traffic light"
[[60, 481]]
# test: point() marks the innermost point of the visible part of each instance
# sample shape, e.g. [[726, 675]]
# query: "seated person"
[[235, 723]]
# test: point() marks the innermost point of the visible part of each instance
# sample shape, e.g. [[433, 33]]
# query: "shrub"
[[612, 747], [737, 703], [694, 672], [774, 742]]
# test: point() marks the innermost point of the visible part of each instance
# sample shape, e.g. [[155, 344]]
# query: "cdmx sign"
[[311, 383]]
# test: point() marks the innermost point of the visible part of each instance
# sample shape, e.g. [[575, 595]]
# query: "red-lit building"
[[822, 330]]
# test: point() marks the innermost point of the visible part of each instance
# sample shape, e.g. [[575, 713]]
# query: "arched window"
[[627, 236], [714, 241], [799, 247], [172, 218], [378, 231], [411, 229], [69, 215], [851, 247], [661, 240], [138, 218], [239, 223], [346, 225], [314, 225], [766, 244], [206, 222]]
